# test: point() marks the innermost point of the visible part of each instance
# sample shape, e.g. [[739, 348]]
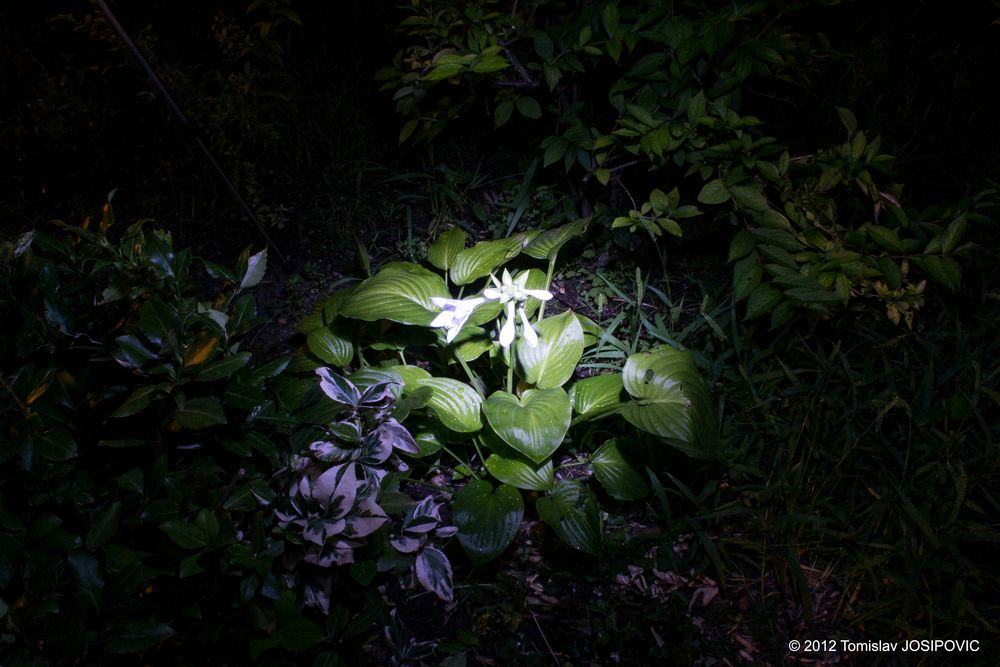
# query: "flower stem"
[[460, 461], [548, 286], [473, 380], [509, 358]]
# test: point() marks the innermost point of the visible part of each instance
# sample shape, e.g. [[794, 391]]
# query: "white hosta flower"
[[454, 314], [513, 293]]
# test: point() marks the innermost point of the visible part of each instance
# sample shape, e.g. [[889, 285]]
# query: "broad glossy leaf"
[[482, 259], [140, 399], [534, 424], [200, 349], [511, 467], [400, 292], [434, 573], [330, 347], [186, 534], [944, 270], [670, 399], [746, 276], [132, 353], [200, 412], [487, 520], [254, 273], [571, 511], [87, 571], [549, 242], [762, 300], [714, 192], [223, 368], [597, 392], [456, 404], [104, 526], [741, 245], [442, 252], [619, 478], [552, 361], [749, 197]]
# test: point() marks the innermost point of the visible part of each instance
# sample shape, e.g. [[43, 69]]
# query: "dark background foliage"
[[863, 460]]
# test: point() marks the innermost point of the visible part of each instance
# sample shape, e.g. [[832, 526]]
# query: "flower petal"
[[540, 294], [507, 331], [530, 337]]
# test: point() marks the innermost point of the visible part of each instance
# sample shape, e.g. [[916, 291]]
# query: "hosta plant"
[[489, 385]]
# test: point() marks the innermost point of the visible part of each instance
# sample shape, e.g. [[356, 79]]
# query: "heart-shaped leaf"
[[552, 361], [596, 393], [400, 292], [456, 404], [442, 252], [330, 347], [549, 242], [511, 467], [571, 510], [487, 521], [671, 399], [619, 478], [535, 424], [482, 259]]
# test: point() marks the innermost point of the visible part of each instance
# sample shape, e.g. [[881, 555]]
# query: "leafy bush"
[[659, 88], [516, 432]]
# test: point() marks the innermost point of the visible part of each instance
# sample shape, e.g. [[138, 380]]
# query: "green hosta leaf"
[[571, 511], [535, 424], [619, 478], [442, 252], [520, 472], [549, 242], [511, 467], [456, 404], [473, 347], [409, 375], [330, 347], [487, 521], [400, 292], [671, 399], [714, 192], [595, 393], [482, 259], [552, 361], [434, 573]]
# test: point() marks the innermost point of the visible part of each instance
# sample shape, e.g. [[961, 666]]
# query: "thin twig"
[[187, 126], [544, 638]]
